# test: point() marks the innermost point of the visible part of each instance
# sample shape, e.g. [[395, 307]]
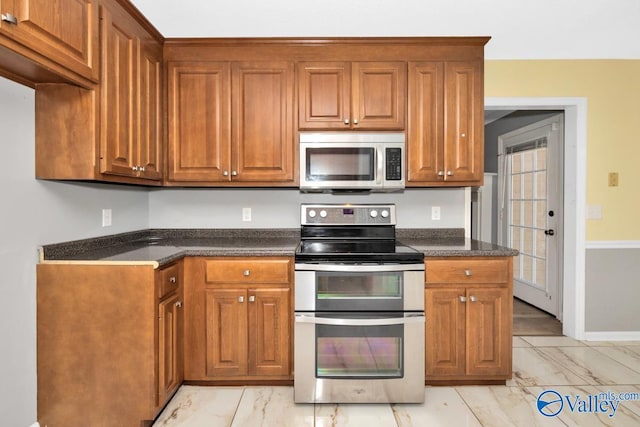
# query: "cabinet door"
[[378, 95], [199, 121], [118, 136], [149, 157], [426, 126], [488, 326], [64, 31], [445, 331], [226, 332], [262, 136], [169, 345], [270, 328], [324, 95], [464, 122]]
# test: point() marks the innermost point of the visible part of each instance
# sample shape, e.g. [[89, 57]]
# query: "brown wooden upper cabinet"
[[446, 126], [352, 95], [61, 31], [231, 123], [113, 132]]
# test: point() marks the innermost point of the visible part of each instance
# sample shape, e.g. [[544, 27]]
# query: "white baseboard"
[[612, 336]]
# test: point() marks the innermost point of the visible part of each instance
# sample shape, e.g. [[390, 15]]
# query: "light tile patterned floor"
[[572, 368]]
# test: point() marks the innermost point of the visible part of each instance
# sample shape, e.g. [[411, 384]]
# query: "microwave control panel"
[[393, 159]]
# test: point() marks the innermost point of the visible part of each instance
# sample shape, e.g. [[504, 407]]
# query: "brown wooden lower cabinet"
[[109, 343], [239, 325], [469, 315]]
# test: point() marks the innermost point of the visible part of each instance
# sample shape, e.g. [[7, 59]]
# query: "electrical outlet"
[[106, 217], [246, 214], [613, 179], [435, 213]]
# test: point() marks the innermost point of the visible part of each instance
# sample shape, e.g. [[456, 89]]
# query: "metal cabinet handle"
[[10, 18], [440, 173], [467, 273], [225, 173], [135, 168], [355, 121], [172, 279], [473, 299], [462, 298], [346, 121], [449, 173], [252, 298], [246, 273], [240, 299], [178, 304], [142, 168], [234, 173]]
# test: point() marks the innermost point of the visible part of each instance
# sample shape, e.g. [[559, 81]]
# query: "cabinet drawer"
[[247, 271], [467, 271], [169, 280]]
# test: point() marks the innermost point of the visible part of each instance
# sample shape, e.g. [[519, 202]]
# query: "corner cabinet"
[[61, 36], [110, 339], [239, 326], [352, 95], [469, 311], [114, 131], [231, 123], [445, 144]]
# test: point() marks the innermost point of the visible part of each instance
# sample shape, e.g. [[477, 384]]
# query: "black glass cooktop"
[[356, 251]]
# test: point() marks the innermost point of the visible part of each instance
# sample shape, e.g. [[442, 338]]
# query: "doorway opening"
[[571, 240]]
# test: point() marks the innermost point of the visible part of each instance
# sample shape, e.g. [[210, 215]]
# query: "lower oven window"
[[359, 351]]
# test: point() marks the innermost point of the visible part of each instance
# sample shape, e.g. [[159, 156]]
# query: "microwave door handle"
[[417, 318], [380, 161]]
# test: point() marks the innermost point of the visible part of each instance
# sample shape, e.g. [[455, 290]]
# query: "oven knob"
[[373, 213], [385, 214], [311, 213], [323, 214]]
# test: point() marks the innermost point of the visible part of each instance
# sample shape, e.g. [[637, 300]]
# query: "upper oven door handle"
[[413, 318], [359, 268]]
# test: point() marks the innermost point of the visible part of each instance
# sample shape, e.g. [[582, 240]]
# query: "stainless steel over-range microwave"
[[371, 161]]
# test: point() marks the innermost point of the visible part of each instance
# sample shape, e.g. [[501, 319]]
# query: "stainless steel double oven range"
[[359, 308]]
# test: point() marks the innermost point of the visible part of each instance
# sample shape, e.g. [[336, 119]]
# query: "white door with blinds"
[[530, 210]]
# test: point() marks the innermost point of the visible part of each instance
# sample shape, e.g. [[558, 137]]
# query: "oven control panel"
[[347, 214]]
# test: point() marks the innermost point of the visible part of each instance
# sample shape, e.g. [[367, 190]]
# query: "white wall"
[[33, 213], [222, 208], [541, 29]]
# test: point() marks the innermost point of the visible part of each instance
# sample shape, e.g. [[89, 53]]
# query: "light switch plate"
[[246, 214], [106, 217], [435, 213]]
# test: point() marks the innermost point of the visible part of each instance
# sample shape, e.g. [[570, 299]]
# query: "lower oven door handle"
[[418, 318], [357, 268]]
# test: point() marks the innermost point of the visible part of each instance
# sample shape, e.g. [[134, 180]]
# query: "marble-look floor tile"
[[532, 367], [519, 342], [584, 414], [443, 407], [201, 406], [354, 415], [592, 365], [628, 356], [611, 343], [501, 406], [553, 342], [272, 407]]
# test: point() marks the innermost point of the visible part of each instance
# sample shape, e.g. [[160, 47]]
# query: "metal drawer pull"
[[172, 279], [225, 173], [252, 298], [178, 304], [462, 298], [301, 318], [246, 272], [473, 299], [10, 18], [240, 299], [467, 273], [440, 173], [449, 173]]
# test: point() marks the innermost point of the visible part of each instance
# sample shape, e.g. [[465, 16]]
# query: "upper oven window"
[[340, 164], [359, 290]]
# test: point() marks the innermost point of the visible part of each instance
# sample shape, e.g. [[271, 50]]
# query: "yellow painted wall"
[[612, 89]]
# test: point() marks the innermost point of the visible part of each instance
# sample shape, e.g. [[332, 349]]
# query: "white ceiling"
[[541, 29]]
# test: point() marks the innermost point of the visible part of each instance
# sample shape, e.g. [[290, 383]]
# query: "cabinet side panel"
[[96, 345]]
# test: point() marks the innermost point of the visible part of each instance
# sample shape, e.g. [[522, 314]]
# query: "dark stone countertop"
[[162, 246]]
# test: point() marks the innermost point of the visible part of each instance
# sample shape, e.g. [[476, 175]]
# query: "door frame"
[[575, 199]]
